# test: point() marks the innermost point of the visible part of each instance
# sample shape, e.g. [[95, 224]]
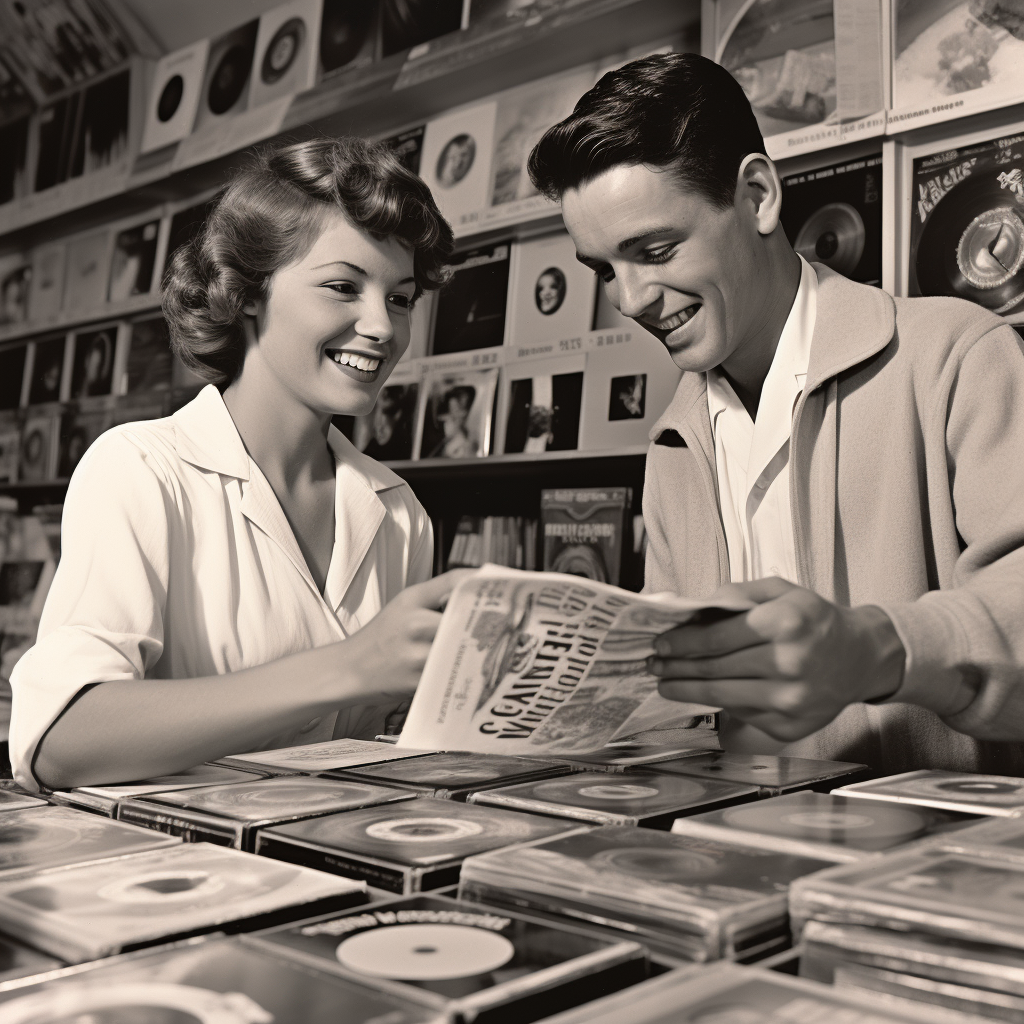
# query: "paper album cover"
[[49, 265], [78, 429], [12, 374], [408, 147], [409, 23], [56, 138], [320, 757], [88, 264], [15, 281], [47, 369], [38, 448], [13, 159], [551, 292], [10, 444], [348, 35], [458, 410], [174, 95], [92, 371], [456, 160], [630, 380], [285, 51], [523, 116], [102, 137], [470, 311], [541, 403], [227, 79], [388, 431], [186, 223], [133, 263], [954, 57], [148, 367]]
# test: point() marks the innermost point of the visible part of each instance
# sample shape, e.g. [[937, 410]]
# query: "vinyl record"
[[423, 830], [343, 31], [170, 98], [282, 50], [657, 864], [159, 889], [425, 952], [890, 824], [833, 235], [977, 789], [973, 246], [275, 796], [566, 790], [229, 77]]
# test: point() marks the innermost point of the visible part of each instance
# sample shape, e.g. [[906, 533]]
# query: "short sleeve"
[[103, 616]]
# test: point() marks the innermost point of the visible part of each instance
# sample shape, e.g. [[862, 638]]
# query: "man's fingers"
[[766, 589], [434, 593], [746, 698], [713, 638], [761, 661]]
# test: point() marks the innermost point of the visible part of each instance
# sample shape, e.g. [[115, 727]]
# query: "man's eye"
[[605, 272], [659, 255]]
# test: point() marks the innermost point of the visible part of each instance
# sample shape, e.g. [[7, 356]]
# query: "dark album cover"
[[457, 772], [823, 825], [833, 215], [93, 370], [967, 225], [93, 910], [15, 279], [407, 146], [771, 773], [347, 34], [102, 136], [57, 124], [228, 72], [471, 307], [408, 23], [133, 262], [10, 447], [13, 160], [38, 437], [387, 433], [219, 981], [998, 795], [46, 837], [467, 960], [583, 530], [544, 402], [640, 798], [149, 356], [185, 225], [78, 429], [47, 370], [12, 373], [404, 845]]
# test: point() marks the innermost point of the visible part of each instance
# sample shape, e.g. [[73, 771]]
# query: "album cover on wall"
[[695, 898], [321, 757], [15, 282], [92, 371], [186, 222], [228, 75], [465, 961], [49, 264], [40, 838], [78, 429], [541, 400], [833, 215], [772, 774], [10, 444], [825, 825], [630, 380], [14, 160], [404, 847], [995, 795], [12, 374], [469, 312], [174, 97], [640, 798], [348, 35], [583, 530], [38, 449], [133, 263], [148, 367], [88, 911], [954, 57], [47, 369], [88, 263], [216, 981], [231, 815], [57, 122], [409, 23], [967, 225], [523, 116], [285, 51], [552, 293], [408, 147], [456, 160], [388, 432], [101, 139], [457, 410]]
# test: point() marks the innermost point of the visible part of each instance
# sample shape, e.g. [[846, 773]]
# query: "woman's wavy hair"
[[269, 215]]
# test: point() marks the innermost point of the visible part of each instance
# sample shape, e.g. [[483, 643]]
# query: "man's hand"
[[788, 666]]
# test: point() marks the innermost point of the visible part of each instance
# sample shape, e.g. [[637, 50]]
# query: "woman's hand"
[[385, 659]]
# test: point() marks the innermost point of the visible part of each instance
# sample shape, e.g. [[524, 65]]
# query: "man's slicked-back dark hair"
[[677, 110]]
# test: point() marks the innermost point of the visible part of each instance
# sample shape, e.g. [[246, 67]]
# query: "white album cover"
[[227, 81], [86, 277], [285, 51], [540, 403], [457, 406], [552, 293], [456, 160], [629, 382], [174, 97], [47, 281]]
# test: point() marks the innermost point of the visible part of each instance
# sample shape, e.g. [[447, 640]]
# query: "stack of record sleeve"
[[683, 897], [940, 921], [993, 795]]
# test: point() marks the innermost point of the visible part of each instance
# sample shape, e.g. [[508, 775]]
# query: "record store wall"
[[898, 127]]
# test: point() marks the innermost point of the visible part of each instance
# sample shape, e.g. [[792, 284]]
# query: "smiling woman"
[[238, 576]]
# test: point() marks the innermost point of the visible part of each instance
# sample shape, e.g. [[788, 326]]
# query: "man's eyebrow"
[[628, 243]]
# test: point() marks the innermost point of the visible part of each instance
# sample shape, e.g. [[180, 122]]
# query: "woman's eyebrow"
[[342, 263]]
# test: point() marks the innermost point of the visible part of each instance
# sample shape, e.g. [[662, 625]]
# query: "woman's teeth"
[[359, 362]]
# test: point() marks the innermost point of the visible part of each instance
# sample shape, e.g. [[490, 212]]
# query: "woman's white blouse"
[[178, 562]]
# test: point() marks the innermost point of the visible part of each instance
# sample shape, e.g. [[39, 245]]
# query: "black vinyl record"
[[344, 27], [170, 98], [232, 63], [282, 50]]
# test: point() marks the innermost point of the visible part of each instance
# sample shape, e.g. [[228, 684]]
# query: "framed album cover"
[[228, 76], [174, 97], [285, 51]]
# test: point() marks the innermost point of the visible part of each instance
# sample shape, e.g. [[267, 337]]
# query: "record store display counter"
[[356, 881]]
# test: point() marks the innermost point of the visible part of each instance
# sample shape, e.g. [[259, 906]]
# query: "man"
[[851, 463]]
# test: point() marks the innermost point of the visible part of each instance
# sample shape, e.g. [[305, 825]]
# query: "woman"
[[233, 576]]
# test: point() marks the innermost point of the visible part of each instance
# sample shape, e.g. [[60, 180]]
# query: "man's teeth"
[[359, 362], [684, 316]]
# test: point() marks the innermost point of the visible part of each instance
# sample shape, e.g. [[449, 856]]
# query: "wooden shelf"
[[496, 463]]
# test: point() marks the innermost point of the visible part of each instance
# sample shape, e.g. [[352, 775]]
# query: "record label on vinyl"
[[285, 60], [423, 830]]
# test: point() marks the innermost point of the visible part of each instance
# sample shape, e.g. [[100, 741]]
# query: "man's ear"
[[758, 183]]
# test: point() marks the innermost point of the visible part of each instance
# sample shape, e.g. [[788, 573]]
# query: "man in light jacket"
[[851, 462]]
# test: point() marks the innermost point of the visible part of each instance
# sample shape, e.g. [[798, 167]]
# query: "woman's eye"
[[343, 287], [401, 301]]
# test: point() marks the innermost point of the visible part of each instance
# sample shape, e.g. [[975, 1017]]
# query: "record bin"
[[465, 961]]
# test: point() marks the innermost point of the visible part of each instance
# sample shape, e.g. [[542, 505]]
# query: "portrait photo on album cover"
[[455, 160], [549, 291], [94, 363], [47, 371], [628, 397]]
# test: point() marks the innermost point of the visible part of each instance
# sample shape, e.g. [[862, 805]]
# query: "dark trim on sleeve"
[[670, 439]]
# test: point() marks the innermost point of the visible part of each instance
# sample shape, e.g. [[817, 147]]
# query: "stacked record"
[[941, 921], [968, 793], [465, 961], [693, 899], [826, 825]]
